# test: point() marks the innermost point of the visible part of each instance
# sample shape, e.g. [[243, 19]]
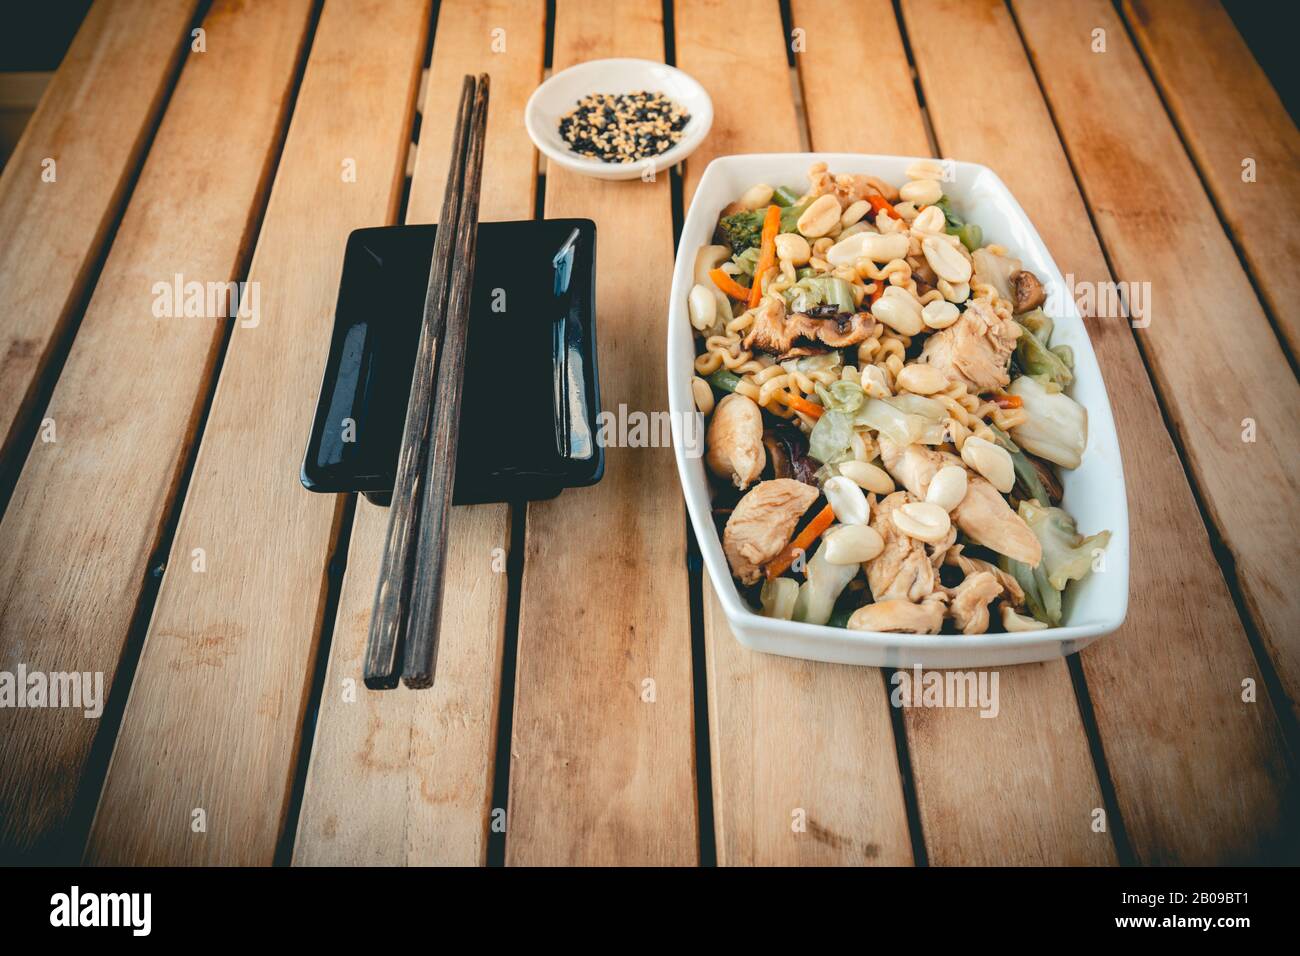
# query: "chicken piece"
[[913, 466], [974, 350], [1028, 291], [735, 441], [969, 566], [985, 517], [848, 188], [897, 616], [969, 606], [761, 524], [805, 333], [905, 567]]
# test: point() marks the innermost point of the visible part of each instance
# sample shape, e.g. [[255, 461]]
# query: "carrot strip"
[[766, 252], [801, 404], [729, 285], [879, 203], [802, 542], [1008, 401], [878, 292]]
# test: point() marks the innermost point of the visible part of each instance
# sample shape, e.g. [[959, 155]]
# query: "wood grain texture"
[[215, 710], [93, 122], [805, 772], [603, 763], [1199, 777], [1035, 808], [786, 736], [1215, 358], [87, 512], [406, 776], [1228, 113]]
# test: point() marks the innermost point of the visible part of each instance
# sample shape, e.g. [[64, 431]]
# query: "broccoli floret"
[[741, 230], [744, 230]]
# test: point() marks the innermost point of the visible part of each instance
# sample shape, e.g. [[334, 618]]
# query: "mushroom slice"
[[762, 523], [805, 333], [985, 517], [735, 441], [900, 617], [1028, 291]]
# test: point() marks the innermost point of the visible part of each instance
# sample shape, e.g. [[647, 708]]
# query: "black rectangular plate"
[[508, 447]]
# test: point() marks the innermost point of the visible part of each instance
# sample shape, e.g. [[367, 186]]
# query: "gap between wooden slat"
[[693, 559]]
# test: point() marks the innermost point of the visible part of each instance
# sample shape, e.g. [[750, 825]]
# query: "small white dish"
[[1094, 493], [563, 90]]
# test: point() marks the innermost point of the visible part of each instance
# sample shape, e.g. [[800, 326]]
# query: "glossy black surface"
[[531, 391]]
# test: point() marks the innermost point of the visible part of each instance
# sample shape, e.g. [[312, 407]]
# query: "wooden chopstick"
[[421, 652], [393, 594]]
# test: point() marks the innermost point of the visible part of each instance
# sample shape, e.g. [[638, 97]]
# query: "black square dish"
[[531, 394]]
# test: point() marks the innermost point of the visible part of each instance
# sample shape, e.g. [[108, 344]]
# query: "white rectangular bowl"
[[1094, 493]]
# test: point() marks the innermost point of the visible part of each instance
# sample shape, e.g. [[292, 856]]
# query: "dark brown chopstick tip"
[[381, 681]]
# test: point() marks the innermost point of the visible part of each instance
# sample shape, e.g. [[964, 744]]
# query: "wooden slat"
[[1229, 114], [600, 773], [93, 122], [1218, 364], [213, 718], [799, 742], [1036, 810], [406, 776], [785, 735], [1198, 775], [86, 515]]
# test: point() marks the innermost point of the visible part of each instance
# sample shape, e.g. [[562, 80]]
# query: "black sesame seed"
[[623, 127]]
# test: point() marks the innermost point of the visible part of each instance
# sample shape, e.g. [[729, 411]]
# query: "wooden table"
[[591, 705]]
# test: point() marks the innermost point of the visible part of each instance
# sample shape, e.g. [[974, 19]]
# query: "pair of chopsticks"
[[408, 600]]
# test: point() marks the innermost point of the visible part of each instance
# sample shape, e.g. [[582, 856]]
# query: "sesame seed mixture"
[[623, 127]]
